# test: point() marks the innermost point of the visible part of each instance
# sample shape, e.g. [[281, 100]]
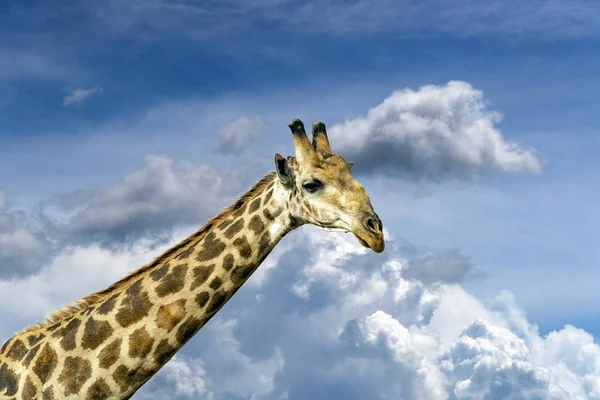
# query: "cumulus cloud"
[[327, 318], [71, 273], [24, 247], [78, 96], [446, 267], [322, 318], [237, 134], [151, 201], [434, 133], [491, 362], [572, 355], [181, 377], [381, 336], [347, 323]]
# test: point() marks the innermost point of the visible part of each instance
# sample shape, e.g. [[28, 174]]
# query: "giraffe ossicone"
[[115, 340]]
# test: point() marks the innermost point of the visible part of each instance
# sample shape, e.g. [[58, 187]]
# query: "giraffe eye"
[[312, 186]]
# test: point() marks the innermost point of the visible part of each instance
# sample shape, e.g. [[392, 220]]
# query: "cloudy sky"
[[473, 126]]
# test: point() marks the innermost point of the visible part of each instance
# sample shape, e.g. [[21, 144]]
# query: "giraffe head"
[[323, 191]]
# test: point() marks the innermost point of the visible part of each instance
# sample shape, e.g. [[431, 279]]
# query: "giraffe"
[[113, 341]]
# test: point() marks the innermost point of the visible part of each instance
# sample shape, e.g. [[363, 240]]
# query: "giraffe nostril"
[[372, 225]]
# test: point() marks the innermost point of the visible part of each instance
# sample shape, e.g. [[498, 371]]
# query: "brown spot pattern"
[[188, 329], [202, 298], [241, 273], [173, 282], [122, 377], [164, 351], [268, 214], [135, 305], [223, 225], [99, 391], [254, 205], [95, 333], [216, 302], [108, 305], [201, 275], [216, 283], [75, 374], [159, 273], [264, 246], [265, 239], [5, 346], [237, 226], [8, 381], [243, 247], [240, 211], [87, 312], [67, 333], [171, 314], [48, 394], [268, 195], [110, 354], [228, 262], [140, 343], [17, 350], [293, 221], [33, 340], [126, 378], [31, 355], [45, 364], [211, 248], [187, 253], [256, 225], [29, 390]]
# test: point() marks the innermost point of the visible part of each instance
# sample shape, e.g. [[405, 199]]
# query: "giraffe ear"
[[350, 164], [283, 169]]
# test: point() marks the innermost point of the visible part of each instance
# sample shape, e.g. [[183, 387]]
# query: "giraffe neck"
[[111, 348]]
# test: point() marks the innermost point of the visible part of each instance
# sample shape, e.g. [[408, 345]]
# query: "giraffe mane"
[[97, 297]]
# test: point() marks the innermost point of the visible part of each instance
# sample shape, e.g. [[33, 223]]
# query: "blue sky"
[[89, 91]]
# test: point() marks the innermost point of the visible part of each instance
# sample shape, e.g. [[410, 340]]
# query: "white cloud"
[[18, 64], [187, 378], [434, 133], [234, 136], [491, 362], [151, 201], [359, 329], [322, 318], [85, 269], [574, 358], [459, 18], [419, 377], [182, 377], [23, 246], [78, 96], [447, 266], [536, 19]]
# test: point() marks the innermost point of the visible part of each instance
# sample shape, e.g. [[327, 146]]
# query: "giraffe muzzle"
[[370, 233]]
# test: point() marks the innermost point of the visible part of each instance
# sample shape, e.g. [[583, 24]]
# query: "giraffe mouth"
[[361, 241], [376, 244], [332, 229]]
